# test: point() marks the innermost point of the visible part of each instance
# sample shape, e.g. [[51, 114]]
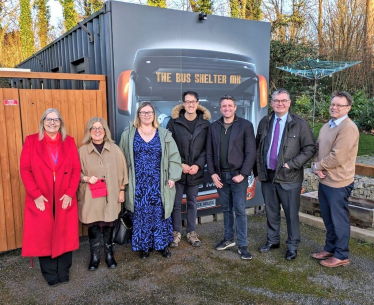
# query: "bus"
[[162, 75]]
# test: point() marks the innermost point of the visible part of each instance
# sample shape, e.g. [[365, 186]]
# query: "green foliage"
[[26, 33], [157, 3], [91, 6], [43, 19], [303, 106], [204, 6], [70, 14], [362, 111], [322, 112], [283, 54]]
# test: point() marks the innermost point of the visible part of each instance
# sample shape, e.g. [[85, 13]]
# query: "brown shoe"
[[176, 239], [322, 255], [334, 262], [193, 239]]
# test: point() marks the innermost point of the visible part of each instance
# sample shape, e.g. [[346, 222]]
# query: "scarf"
[[53, 149]]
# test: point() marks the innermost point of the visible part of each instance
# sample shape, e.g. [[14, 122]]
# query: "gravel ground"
[[200, 275], [365, 160]]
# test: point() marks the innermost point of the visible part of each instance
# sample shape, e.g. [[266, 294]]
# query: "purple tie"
[[274, 147]]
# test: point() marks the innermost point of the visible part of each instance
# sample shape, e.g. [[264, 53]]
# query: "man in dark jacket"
[[231, 154], [284, 144], [189, 125]]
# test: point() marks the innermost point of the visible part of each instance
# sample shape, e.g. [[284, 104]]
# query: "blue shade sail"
[[317, 69]]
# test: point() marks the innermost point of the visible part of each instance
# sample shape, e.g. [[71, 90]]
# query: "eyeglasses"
[[145, 113], [338, 106], [190, 102], [280, 101], [97, 129], [51, 120]]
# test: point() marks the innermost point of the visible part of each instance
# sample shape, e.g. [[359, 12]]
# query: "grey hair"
[[87, 133], [279, 91], [62, 129]]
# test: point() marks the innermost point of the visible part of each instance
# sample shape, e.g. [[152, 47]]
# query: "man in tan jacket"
[[335, 166]]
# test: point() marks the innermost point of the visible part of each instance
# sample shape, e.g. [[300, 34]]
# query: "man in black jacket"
[[284, 144], [231, 154], [189, 125]]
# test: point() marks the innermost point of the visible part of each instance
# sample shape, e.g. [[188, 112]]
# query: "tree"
[[288, 22], [253, 10], [204, 6], [69, 13], [235, 8], [368, 45], [91, 6], [11, 49], [283, 54], [319, 29], [26, 33], [42, 23], [246, 9], [157, 3]]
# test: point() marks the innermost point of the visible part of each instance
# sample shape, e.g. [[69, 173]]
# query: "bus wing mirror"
[[263, 88], [123, 90]]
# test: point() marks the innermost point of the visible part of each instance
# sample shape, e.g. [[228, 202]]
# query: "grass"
[[365, 145]]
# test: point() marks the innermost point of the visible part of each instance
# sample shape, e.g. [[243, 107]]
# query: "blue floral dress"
[[150, 228]]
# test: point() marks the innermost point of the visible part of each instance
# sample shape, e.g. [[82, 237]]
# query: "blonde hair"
[[62, 129], [87, 133], [137, 122]]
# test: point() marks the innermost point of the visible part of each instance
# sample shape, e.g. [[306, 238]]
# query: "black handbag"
[[122, 227]]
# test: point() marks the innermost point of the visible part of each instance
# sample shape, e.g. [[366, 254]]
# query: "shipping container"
[[155, 54]]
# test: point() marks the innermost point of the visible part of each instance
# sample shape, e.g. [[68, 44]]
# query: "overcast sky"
[[56, 11]]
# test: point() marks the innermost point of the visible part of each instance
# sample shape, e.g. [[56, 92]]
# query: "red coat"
[[43, 234]]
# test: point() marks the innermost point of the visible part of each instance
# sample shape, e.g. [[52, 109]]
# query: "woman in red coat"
[[50, 171]]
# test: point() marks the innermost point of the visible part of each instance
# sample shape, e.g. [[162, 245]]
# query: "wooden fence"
[[20, 112]]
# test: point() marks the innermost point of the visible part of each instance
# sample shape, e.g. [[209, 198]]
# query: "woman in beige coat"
[[101, 160]]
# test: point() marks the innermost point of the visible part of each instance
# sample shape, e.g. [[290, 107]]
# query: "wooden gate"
[[20, 112]]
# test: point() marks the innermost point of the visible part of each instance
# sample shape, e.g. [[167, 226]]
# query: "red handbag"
[[98, 189]]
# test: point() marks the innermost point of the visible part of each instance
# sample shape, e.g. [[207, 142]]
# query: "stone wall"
[[364, 186]]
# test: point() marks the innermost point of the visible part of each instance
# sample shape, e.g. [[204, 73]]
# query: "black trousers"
[[275, 195], [56, 269]]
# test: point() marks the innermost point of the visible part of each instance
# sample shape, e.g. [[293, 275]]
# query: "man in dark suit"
[[284, 144], [231, 154]]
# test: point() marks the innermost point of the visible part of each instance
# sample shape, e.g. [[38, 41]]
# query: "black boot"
[[108, 247], [94, 236]]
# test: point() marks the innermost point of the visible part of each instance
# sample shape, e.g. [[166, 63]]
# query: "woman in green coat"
[[154, 166]]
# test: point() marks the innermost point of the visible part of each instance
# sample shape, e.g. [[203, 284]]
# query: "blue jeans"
[[232, 197]]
